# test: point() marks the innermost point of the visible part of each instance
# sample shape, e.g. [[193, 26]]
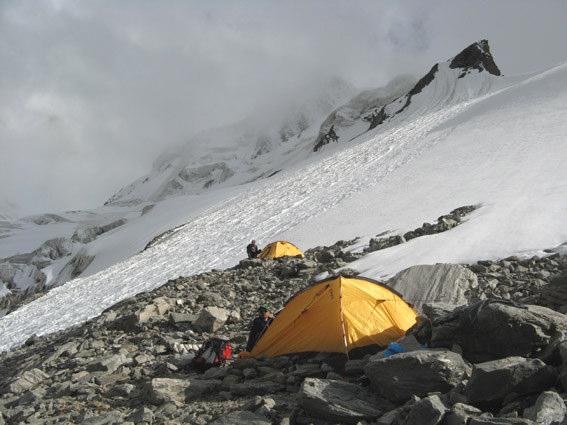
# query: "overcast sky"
[[92, 91]]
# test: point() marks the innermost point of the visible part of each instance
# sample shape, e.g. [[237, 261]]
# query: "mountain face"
[[40, 252], [254, 148], [467, 75], [260, 147]]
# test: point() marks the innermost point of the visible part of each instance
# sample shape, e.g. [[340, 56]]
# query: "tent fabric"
[[280, 249], [337, 315]]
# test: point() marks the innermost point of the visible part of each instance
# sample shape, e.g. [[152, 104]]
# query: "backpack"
[[213, 353]]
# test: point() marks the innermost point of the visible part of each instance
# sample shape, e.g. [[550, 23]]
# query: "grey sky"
[[92, 91]]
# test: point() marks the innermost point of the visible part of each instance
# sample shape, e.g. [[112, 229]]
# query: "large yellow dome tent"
[[280, 249], [337, 315]]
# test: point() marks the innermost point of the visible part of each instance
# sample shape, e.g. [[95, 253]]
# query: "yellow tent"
[[280, 249], [337, 315]]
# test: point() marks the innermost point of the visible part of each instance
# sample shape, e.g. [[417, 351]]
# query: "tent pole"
[[342, 317]]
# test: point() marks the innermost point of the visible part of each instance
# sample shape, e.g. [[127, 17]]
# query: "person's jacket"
[[259, 326], [252, 250]]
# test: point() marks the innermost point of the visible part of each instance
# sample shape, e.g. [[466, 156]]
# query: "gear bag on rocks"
[[213, 353]]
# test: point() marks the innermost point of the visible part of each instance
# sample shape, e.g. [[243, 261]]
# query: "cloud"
[[92, 92]]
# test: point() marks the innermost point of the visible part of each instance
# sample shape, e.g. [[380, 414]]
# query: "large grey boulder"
[[337, 401], [549, 409], [491, 330], [241, 417], [446, 283], [400, 376], [555, 293], [492, 381], [211, 319]]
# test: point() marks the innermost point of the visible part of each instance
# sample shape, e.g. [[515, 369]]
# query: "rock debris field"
[[496, 351]]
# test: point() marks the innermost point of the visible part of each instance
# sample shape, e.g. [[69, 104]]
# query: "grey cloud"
[[92, 91]]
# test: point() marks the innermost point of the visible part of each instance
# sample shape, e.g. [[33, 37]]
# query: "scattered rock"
[[28, 380], [492, 381], [109, 363], [549, 409], [163, 390], [399, 377], [427, 411], [493, 329], [460, 414]]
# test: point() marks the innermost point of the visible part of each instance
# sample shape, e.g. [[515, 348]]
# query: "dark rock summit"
[[476, 56]]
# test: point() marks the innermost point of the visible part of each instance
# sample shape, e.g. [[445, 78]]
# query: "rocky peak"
[[476, 56]]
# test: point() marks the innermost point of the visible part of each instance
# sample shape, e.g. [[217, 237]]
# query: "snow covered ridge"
[[504, 149], [467, 75]]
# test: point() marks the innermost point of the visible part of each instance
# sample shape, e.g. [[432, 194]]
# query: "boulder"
[[109, 363], [141, 415], [337, 401], [158, 307], [446, 283], [165, 390], [108, 418], [241, 417], [27, 380], [556, 292], [492, 381], [400, 376], [491, 329], [211, 319], [549, 409], [436, 310], [460, 414], [427, 411]]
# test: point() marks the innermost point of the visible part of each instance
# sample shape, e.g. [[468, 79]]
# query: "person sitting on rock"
[[259, 326], [253, 250]]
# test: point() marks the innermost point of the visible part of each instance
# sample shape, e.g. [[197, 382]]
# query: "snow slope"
[[52, 249], [505, 150], [89, 241]]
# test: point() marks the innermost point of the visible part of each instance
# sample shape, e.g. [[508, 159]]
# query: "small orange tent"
[[280, 249], [337, 315]]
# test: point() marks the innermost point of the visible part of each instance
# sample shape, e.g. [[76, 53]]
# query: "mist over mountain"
[[92, 93]]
